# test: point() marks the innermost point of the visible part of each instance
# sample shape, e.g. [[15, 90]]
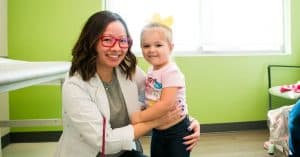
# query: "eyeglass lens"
[[110, 41]]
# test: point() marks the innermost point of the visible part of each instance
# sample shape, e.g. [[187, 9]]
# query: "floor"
[[228, 144]]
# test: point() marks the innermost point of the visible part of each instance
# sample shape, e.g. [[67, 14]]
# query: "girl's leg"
[[174, 137], [157, 144], [176, 148]]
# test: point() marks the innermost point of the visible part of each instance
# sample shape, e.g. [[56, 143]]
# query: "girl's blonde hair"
[[167, 30]]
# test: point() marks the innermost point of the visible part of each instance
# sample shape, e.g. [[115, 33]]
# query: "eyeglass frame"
[[115, 40]]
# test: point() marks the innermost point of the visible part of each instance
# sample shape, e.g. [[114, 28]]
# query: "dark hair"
[[84, 52]]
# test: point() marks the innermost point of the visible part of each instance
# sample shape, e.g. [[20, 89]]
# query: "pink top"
[[167, 76]]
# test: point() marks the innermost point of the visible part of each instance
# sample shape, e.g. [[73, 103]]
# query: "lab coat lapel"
[[100, 97], [130, 92]]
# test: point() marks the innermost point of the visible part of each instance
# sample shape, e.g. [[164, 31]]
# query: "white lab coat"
[[84, 104]]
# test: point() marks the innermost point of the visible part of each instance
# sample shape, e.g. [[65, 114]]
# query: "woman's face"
[[112, 48]]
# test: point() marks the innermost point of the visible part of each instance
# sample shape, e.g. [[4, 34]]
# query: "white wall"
[[4, 108], [3, 27]]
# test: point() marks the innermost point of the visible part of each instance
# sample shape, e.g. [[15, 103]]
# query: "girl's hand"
[[192, 139]]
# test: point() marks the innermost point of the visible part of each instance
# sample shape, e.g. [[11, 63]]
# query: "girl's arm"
[[166, 103], [142, 128]]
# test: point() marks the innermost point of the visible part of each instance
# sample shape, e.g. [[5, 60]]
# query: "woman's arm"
[[83, 117], [142, 128], [163, 106]]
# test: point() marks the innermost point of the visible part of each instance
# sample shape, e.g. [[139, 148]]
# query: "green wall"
[[43, 30], [220, 89]]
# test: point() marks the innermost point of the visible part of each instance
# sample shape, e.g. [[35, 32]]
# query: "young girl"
[[165, 88]]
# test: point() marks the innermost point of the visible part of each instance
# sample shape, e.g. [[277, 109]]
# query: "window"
[[212, 27]]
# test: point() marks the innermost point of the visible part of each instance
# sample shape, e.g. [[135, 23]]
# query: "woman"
[[102, 92]]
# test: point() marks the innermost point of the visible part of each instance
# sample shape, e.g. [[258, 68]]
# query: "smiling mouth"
[[113, 56]]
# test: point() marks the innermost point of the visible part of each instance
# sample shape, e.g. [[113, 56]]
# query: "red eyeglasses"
[[110, 41]]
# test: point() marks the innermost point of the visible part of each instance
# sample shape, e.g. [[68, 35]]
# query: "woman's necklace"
[[108, 85]]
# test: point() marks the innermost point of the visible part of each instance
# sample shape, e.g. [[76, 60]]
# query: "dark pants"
[[294, 130], [132, 153], [169, 142]]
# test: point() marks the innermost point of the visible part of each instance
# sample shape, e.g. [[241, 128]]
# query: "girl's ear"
[[171, 45]]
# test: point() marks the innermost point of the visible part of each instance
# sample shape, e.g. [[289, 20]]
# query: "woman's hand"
[[192, 139], [174, 115]]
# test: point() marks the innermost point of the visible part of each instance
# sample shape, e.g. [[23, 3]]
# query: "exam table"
[[16, 74]]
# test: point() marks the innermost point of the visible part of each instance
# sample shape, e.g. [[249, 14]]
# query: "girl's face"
[[112, 46], [156, 47]]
